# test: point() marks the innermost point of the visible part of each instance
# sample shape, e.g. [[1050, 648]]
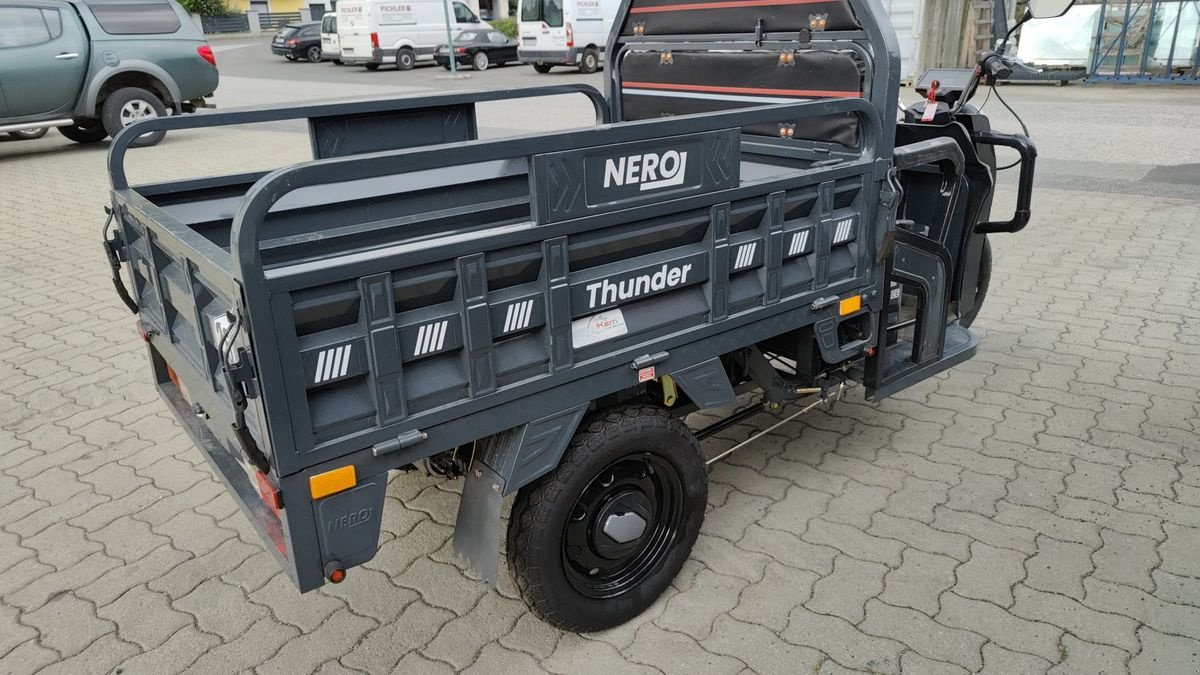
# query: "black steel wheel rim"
[[606, 551]]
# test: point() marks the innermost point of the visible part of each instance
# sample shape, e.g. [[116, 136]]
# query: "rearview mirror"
[[1049, 9]]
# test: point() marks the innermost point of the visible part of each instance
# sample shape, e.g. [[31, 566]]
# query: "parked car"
[[296, 41], [91, 67], [330, 46], [479, 48], [375, 32]]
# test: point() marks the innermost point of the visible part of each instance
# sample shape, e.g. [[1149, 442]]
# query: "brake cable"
[[1024, 129]]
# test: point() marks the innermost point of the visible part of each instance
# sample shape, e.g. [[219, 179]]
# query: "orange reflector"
[[270, 495], [850, 305], [330, 482]]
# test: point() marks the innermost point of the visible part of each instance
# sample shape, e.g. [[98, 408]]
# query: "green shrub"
[[506, 26], [205, 7]]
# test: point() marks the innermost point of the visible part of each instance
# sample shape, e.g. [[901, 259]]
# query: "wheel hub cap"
[[136, 110]]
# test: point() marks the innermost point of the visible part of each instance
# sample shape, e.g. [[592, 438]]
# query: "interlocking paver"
[[990, 574], [1166, 654], [919, 581], [844, 592], [1001, 661], [131, 613], [330, 639], [1059, 567], [843, 642], [1126, 559], [1082, 621], [925, 636], [672, 652], [1000, 627]]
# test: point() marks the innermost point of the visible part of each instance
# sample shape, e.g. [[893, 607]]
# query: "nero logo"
[[650, 171], [605, 292], [349, 520]]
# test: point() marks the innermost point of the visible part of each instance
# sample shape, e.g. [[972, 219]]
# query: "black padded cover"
[[699, 17], [656, 85]]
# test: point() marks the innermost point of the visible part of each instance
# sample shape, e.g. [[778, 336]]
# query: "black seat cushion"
[[654, 84], [699, 17]]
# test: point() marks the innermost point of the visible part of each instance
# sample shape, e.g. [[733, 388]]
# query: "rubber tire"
[[110, 114], [313, 54], [535, 526], [480, 56], [28, 134], [590, 62], [542, 68], [371, 66], [406, 59], [291, 57], [85, 134], [985, 279], [338, 62], [446, 65]]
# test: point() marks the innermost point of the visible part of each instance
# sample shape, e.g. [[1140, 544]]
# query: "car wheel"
[[446, 65], [132, 104], [480, 61], [313, 54], [371, 66], [28, 134], [89, 131], [337, 62], [594, 543], [291, 57], [406, 59], [589, 62], [542, 68]]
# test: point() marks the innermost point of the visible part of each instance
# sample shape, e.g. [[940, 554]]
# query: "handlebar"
[[1028, 153]]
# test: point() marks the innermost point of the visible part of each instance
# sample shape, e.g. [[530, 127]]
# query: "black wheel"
[[89, 131], [542, 68], [337, 62], [590, 61], [446, 65], [480, 61], [313, 54], [291, 57], [981, 284], [371, 66], [28, 134], [593, 543], [132, 104], [406, 59]]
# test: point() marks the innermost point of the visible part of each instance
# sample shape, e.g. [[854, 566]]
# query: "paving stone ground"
[[1036, 510]]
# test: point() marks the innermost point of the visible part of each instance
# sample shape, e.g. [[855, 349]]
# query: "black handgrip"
[[112, 249], [940, 150], [1028, 152], [993, 64]]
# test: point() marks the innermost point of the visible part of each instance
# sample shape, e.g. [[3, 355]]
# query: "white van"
[[565, 33], [330, 49], [374, 32]]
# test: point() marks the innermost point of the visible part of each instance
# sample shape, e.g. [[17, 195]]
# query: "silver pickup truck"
[[90, 68]]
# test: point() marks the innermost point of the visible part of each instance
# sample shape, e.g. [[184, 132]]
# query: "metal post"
[[1149, 35], [1124, 40], [450, 40], [1098, 58]]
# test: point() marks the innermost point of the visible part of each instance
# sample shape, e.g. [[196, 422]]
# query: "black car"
[[298, 41], [479, 48]]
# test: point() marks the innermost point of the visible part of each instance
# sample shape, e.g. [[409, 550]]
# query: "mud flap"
[[349, 523], [706, 384], [502, 464]]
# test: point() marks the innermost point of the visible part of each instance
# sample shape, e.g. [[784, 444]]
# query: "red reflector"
[[269, 493], [460, 50], [375, 40], [337, 576], [206, 53]]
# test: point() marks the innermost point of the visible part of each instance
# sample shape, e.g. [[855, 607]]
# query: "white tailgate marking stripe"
[[527, 314], [320, 366], [508, 317], [431, 337], [346, 360]]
